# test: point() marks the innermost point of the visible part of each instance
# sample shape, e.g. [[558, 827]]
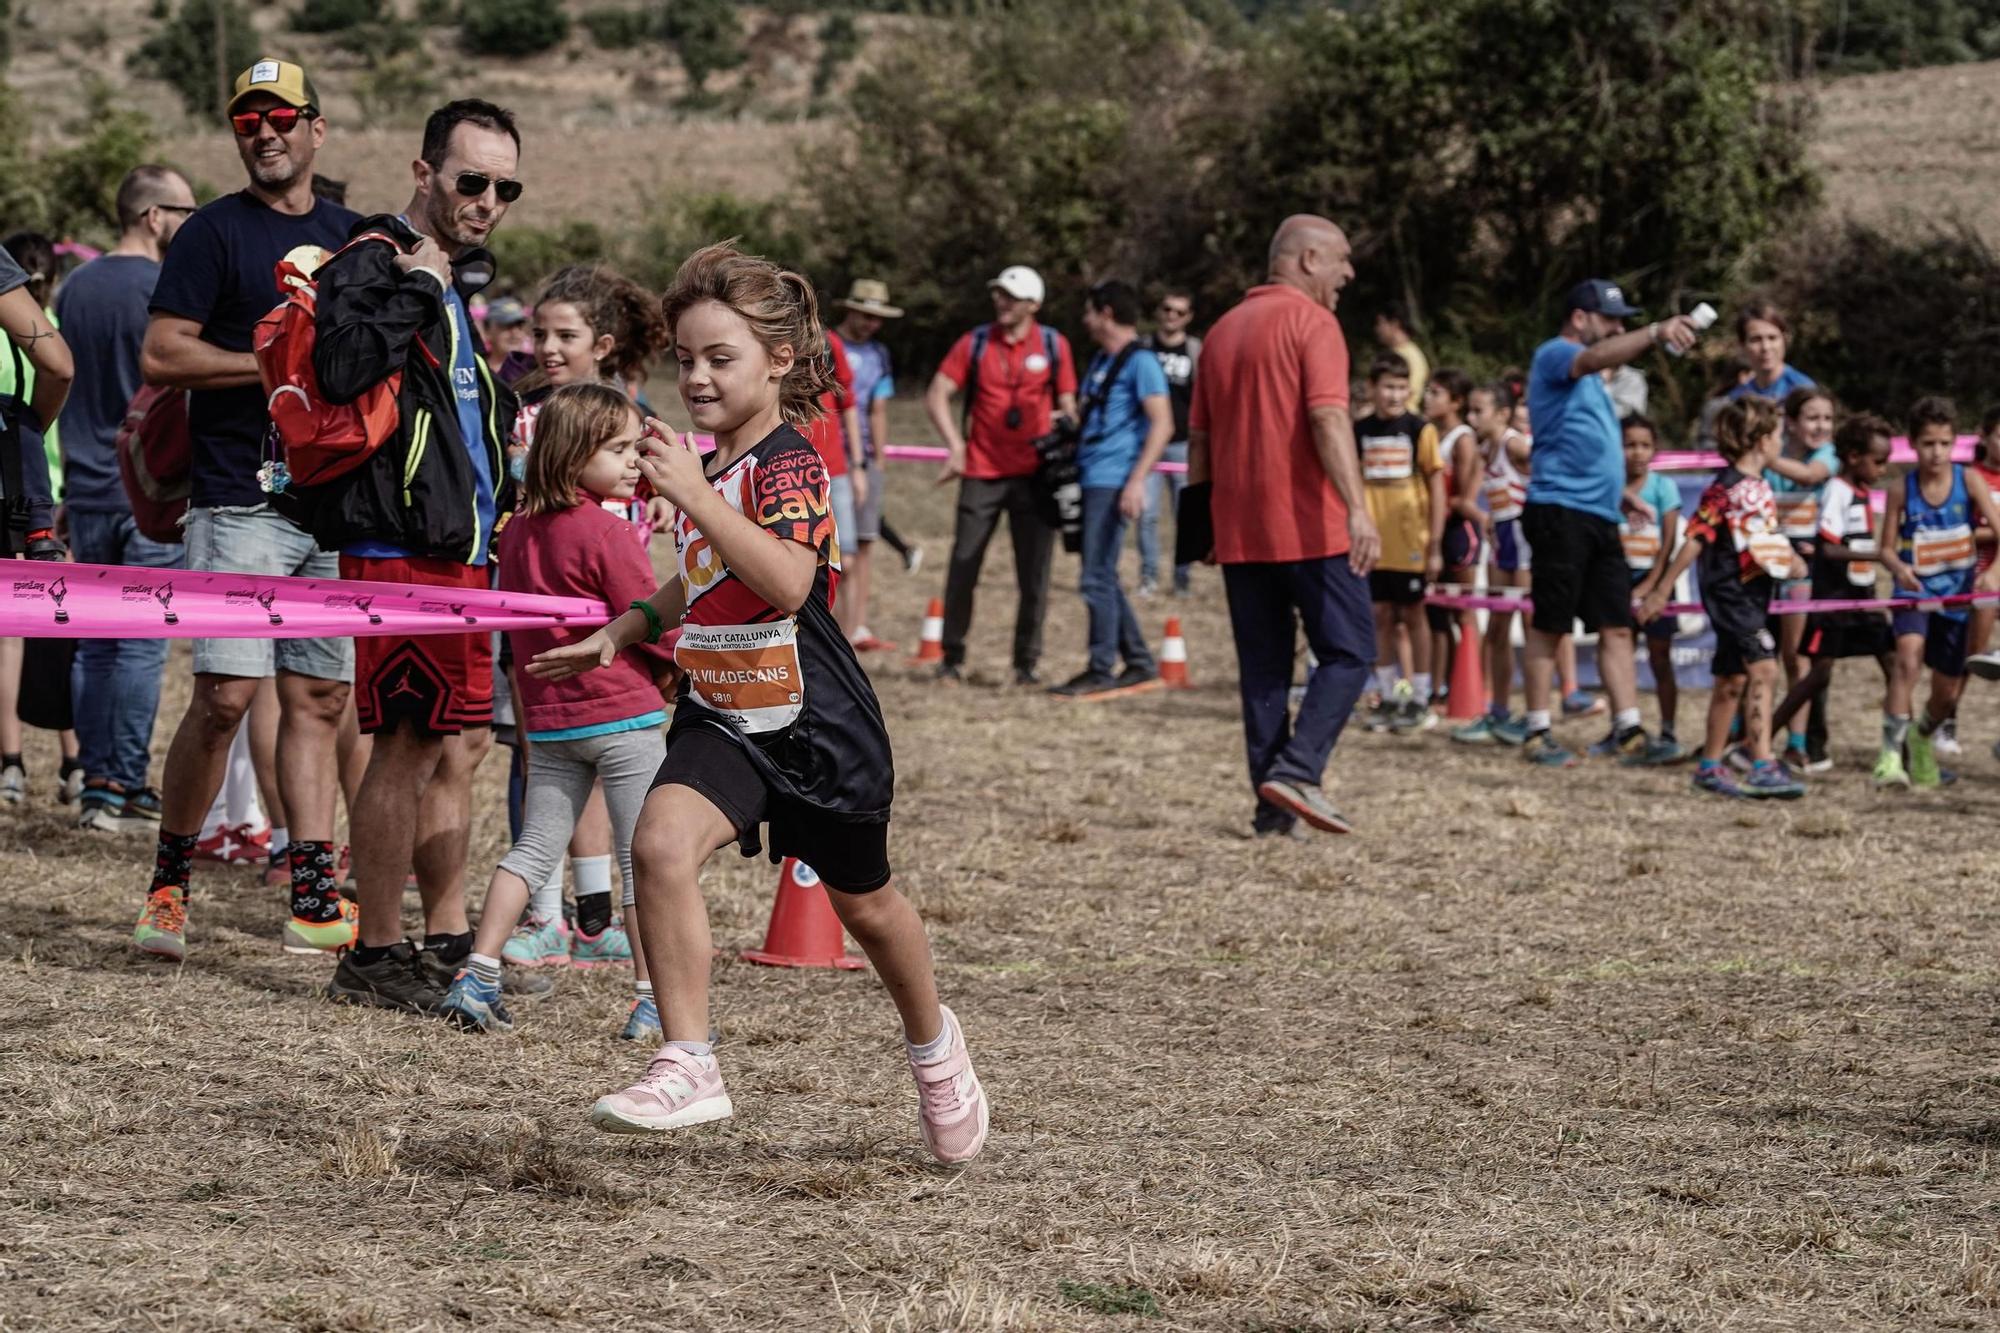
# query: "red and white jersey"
[[1506, 484], [1738, 519]]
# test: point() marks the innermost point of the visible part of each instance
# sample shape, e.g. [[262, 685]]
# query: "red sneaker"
[[235, 846]]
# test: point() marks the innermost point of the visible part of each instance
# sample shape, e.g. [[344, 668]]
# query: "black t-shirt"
[[1179, 365], [218, 272]]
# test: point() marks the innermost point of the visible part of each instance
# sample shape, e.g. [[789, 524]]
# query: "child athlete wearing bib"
[[775, 722]]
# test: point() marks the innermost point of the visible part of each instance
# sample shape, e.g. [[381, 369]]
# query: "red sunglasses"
[[283, 119]]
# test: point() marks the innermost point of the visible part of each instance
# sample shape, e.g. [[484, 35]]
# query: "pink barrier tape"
[[60, 601], [1899, 452], [932, 453], [1488, 602]]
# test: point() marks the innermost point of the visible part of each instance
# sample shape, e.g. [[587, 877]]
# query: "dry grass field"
[[1531, 1050]]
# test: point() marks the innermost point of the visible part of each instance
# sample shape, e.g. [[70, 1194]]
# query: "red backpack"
[[155, 457], [321, 440]]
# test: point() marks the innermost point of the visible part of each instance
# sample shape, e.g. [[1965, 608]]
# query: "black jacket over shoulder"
[[419, 490]]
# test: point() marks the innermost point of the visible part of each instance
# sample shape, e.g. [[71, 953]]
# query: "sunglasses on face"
[[472, 184], [175, 208], [283, 119]]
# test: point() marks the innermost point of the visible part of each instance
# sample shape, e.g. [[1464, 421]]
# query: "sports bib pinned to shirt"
[[1387, 458], [1941, 550], [748, 673], [1773, 553]]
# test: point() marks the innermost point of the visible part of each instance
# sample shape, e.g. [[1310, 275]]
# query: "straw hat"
[[870, 297]]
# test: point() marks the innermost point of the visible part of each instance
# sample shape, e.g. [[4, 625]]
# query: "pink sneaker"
[[680, 1089], [951, 1106]]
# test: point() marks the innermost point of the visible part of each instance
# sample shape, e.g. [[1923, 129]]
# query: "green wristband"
[[654, 627]]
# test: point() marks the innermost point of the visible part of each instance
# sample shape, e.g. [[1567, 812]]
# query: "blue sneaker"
[[1658, 752], [1771, 780], [644, 1022], [1479, 731], [1546, 751], [1717, 780], [475, 1005], [1514, 731], [1584, 704]]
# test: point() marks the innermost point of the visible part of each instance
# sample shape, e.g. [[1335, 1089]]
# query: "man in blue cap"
[[1571, 519]]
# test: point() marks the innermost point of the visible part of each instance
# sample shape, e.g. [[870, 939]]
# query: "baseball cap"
[[506, 312], [1600, 297], [280, 78], [1020, 282]]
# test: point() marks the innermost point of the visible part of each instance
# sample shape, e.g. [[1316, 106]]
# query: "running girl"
[[601, 728], [1489, 410], [1648, 529], [1931, 516], [1734, 533], [1803, 466], [1446, 399], [775, 721]]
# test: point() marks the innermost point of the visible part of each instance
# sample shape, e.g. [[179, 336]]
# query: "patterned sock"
[[315, 882], [643, 989], [174, 862], [593, 913], [486, 969]]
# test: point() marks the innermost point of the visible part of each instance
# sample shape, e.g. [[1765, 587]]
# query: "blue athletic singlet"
[[1936, 540]]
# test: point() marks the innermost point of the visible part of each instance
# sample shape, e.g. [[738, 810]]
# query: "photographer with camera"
[[1127, 422], [1016, 376], [42, 359]]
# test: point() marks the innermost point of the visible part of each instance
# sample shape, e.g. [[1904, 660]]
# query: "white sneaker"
[[1945, 739], [13, 784], [1986, 666]]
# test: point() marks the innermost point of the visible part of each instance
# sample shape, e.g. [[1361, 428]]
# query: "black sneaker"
[[950, 671], [1084, 683], [1027, 676], [43, 546], [397, 980], [1136, 675]]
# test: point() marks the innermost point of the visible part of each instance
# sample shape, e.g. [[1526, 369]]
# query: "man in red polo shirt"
[[1271, 452], [1017, 376]]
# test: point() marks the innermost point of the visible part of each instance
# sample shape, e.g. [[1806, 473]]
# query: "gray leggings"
[[560, 774]]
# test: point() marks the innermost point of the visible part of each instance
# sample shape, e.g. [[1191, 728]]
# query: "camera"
[[1059, 481]]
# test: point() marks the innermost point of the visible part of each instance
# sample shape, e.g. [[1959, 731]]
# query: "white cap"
[[1020, 282]]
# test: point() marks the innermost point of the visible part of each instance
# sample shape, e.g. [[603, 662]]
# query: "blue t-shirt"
[[218, 273], [1798, 503], [102, 308], [1116, 431], [1640, 534], [472, 429], [1578, 460], [1788, 380], [869, 363]]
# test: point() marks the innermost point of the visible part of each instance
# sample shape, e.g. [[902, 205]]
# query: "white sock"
[[1624, 719], [936, 1048], [486, 968], [701, 1048], [1538, 720], [545, 900], [281, 838], [643, 989], [1421, 683], [1385, 680], [592, 874]]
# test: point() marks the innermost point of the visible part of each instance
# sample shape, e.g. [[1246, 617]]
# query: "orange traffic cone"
[[1468, 680], [1173, 658], [930, 646], [804, 932]]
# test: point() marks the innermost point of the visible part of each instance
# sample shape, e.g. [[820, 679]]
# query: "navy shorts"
[[1661, 628], [1737, 614], [1510, 546], [1837, 635], [1944, 638]]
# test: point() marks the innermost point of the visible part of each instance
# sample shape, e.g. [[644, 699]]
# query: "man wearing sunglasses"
[[422, 510], [1180, 353], [216, 281]]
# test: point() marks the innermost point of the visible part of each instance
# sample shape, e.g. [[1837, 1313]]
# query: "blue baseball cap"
[[1600, 297]]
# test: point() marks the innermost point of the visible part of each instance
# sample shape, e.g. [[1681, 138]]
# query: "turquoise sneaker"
[[1514, 731], [537, 944], [1546, 751], [475, 1006], [613, 948], [1479, 731], [643, 1024]]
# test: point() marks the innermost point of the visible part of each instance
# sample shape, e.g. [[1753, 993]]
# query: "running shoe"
[[162, 928], [1986, 666], [237, 845], [643, 1023], [144, 802], [913, 559], [1717, 780], [1026, 676], [278, 869], [678, 1089], [1085, 683], [951, 1105], [1817, 759], [1795, 756], [13, 784], [1771, 780], [612, 948], [1412, 716], [1923, 759], [69, 786], [539, 944], [1511, 732], [1658, 752], [1889, 771], [1306, 802], [303, 935], [1380, 718], [397, 980], [950, 673], [866, 642], [1134, 676], [474, 1005], [1945, 739], [1546, 751], [1479, 731], [1148, 590], [107, 810], [1584, 704], [1608, 748]]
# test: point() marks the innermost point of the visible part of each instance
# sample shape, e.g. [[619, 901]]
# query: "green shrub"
[[512, 27], [182, 53], [437, 13], [619, 29], [705, 35], [526, 256], [396, 87], [335, 15]]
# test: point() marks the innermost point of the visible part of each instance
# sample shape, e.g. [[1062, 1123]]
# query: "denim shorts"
[[868, 514], [255, 539], [840, 491]]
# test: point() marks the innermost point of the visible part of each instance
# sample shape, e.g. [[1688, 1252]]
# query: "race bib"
[[1798, 514], [747, 673], [1642, 544], [1390, 458], [1860, 574], [1941, 550], [1773, 553]]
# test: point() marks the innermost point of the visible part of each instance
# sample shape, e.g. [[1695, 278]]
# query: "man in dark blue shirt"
[[102, 308], [215, 284]]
